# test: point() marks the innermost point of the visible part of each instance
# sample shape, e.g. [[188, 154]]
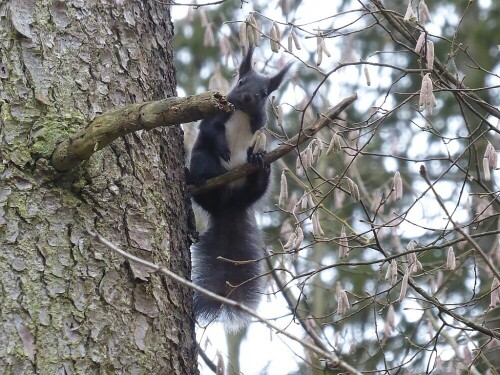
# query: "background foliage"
[[435, 327]]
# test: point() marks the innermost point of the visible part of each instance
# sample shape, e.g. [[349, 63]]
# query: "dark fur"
[[232, 232]]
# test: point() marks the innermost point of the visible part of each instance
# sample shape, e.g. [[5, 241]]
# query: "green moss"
[[80, 183], [48, 131], [45, 131], [6, 115], [19, 202]]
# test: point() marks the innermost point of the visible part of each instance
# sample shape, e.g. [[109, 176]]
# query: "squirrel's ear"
[[246, 64], [275, 81]]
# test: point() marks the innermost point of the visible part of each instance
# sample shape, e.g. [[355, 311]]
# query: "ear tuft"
[[246, 64], [275, 81]]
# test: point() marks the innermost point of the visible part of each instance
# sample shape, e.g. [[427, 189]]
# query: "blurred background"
[[445, 239]]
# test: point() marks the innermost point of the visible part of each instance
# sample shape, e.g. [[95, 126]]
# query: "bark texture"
[[66, 304]]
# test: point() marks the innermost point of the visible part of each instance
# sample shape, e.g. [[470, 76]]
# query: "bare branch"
[[105, 128], [438, 65], [279, 151], [331, 358], [458, 228]]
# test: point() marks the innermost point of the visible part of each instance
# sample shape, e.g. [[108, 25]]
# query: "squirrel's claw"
[[225, 154]]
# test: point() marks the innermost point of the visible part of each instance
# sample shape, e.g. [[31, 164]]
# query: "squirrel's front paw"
[[194, 180], [198, 181], [256, 158], [257, 150], [225, 154]]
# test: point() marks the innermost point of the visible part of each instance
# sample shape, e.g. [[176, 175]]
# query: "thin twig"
[[331, 358], [279, 151], [470, 240]]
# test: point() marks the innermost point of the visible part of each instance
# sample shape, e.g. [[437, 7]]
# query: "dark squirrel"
[[224, 142]]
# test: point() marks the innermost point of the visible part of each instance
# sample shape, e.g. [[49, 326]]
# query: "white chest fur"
[[239, 135]]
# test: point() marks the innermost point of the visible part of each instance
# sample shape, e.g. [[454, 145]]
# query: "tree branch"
[[438, 65], [295, 306], [279, 151], [458, 228], [331, 358], [105, 128]]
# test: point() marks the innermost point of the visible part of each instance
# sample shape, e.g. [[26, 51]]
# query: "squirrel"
[[224, 142]]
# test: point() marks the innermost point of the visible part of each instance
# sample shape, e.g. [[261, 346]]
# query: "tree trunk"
[[67, 305]]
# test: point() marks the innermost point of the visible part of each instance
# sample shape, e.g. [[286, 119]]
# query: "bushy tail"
[[237, 239]]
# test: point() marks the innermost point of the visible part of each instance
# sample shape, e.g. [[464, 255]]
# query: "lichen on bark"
[[66, 303]]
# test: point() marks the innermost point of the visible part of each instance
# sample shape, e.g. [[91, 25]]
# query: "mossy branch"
[[279, 151], [105, 128]]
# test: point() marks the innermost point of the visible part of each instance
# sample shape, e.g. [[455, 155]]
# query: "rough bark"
[[67, 305]]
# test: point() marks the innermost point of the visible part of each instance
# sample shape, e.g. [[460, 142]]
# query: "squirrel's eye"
[[241, 81], [264, 93]]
